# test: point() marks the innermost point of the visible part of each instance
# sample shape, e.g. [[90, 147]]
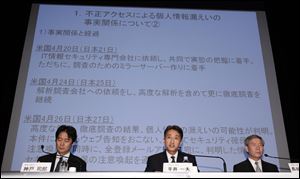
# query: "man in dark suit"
[[254, 146], [65, 137], [172, 139]]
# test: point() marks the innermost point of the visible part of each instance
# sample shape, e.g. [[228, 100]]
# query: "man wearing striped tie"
[[64, 138], [254, 146]]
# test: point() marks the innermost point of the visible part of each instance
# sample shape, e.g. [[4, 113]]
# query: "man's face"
[[63, 143], [172, 141], [255, 149]]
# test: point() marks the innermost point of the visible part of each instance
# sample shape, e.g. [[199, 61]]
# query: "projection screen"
[[120, 75]]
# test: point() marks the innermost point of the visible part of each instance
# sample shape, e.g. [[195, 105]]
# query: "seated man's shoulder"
[[157, 155], [186, 154], [78, 159], [270, 167], [46, 158], [242, 162]]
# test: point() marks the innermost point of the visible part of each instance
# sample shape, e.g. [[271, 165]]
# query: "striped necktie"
[[58, 164], [257, 169]]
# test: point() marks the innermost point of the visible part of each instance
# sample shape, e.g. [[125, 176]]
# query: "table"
[[148, 175]]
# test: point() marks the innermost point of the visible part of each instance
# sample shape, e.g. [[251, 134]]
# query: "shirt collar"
[[64, 156], [253, 163]]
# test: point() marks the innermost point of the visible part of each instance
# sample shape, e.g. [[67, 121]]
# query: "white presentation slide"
[[121, 75]]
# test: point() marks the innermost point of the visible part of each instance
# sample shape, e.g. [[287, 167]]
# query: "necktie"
[[173, 159], [257, 167], [58, 164]]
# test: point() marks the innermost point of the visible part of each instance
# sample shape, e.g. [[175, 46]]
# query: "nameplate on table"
[[36, 167], [294, 167], [179, 167]]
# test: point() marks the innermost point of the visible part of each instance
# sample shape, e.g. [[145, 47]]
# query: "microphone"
[[42, 147], [283, 158], [211, 156]]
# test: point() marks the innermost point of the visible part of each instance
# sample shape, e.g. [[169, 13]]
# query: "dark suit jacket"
[[73, 161], [246, 166], [155, 162]]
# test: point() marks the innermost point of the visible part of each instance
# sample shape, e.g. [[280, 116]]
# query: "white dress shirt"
[[170, 157], [254, 165], [65, 158]]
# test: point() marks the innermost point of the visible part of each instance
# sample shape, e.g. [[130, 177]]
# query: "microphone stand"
[[208, 156], [42, 147], [283, 158]]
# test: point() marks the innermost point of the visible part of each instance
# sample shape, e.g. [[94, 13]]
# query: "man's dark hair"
[[176, 128], [70, 130]]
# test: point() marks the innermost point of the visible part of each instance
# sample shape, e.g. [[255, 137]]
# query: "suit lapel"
[[53, 158], [179, 157], [71, 160], [264, 166], [249, 166], [165, 157]]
